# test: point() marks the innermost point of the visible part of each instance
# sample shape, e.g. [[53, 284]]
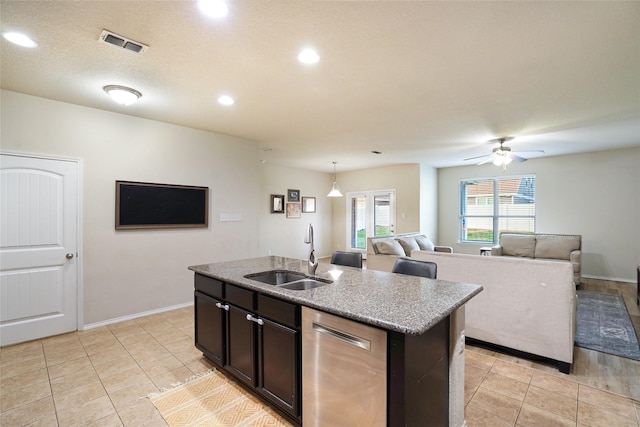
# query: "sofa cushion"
[[518, 245], [408, 244], [424, 243], [389, 247], [556, 246]]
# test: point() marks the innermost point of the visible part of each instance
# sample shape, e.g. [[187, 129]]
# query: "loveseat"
[[382, 252], [562, 247], [527, 305]]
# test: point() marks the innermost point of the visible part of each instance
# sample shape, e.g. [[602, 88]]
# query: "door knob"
[[69, 255]]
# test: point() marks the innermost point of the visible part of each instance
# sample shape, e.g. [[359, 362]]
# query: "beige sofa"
[[527, 305], [382, 252], [563, 247]]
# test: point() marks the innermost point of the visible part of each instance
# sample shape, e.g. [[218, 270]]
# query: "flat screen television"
[[142, 205]]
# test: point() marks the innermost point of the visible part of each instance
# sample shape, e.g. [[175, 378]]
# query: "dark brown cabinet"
[[242, 346], [210, 320], [254, 337], [279, 365]]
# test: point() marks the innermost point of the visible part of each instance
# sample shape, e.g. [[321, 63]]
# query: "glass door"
[[369, 214]]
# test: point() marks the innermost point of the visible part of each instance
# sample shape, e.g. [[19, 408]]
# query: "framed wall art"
[[277, 203], [141, 205], [293, 210], [293, 195], [308, 204]]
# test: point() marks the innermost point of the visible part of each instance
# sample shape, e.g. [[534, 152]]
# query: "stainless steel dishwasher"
[[344, 372]]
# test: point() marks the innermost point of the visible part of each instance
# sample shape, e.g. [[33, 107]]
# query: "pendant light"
[[335, 190]]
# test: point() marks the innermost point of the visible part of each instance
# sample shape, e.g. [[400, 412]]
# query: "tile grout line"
[[93, 366]]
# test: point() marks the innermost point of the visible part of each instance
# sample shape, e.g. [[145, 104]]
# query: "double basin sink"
[[286, 279]]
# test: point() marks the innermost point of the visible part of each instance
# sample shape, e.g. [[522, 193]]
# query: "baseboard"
[[611, 279], [135, 316], [563, 367]]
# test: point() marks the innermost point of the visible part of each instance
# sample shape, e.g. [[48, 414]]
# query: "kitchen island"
[[253, 330]]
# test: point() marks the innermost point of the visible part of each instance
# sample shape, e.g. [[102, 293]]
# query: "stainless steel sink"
[[277, 277], [300, 285], [286, 279]]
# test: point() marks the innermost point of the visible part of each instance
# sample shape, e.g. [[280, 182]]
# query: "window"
[[482, 221]]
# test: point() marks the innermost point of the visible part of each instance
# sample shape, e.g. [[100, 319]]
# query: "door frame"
[[79, 238], [367, 194]]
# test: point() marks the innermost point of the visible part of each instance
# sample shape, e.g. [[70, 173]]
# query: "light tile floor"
[[100, 377]]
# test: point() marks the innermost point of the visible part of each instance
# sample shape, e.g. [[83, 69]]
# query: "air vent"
[[122, 42]]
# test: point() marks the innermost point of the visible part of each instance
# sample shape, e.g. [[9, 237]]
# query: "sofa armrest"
[[496, 250], [381, 262], [447, 249], [575, 256]]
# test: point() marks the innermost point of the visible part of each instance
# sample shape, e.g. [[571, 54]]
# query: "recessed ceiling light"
[[308, 56], [122, 95], [20, 39], [226, 100], [213, 8]]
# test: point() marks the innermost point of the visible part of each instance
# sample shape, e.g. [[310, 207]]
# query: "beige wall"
[[596, 195], [412, 183], [429, 202], [284, 236], [129, 272]]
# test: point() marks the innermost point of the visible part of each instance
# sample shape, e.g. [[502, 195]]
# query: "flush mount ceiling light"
[[213, 8], [308, 56], [226, 100], [335, 190], [122, 95], [20, 39]]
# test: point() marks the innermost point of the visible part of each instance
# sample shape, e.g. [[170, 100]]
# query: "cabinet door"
[[279, 366], [241, 357], [210, 327]]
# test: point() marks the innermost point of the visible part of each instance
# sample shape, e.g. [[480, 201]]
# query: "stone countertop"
[[396, 302]]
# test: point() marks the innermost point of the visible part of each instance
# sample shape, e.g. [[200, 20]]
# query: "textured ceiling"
[[418, 81]]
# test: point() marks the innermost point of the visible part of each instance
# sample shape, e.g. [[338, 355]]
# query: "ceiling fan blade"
[[477, 157], [516, 158], [528, 151], [490, 159]]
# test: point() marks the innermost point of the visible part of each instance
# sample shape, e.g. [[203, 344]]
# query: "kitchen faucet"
[[313, 262]]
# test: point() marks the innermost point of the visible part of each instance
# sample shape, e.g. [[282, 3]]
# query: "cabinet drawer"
[[207, 285], [279, 311], [240, 297]]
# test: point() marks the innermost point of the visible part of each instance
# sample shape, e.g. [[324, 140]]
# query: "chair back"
[[414, 267], [349, 259]]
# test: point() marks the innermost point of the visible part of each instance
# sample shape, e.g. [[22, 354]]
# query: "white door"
[[369, 214], [38, 247]]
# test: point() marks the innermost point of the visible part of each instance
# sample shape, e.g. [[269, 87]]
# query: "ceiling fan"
[[502, 155]]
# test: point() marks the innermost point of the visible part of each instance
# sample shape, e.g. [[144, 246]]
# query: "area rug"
[[213, 400], [603, 324]]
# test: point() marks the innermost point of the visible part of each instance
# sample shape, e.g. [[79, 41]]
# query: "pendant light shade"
[[335, 190]]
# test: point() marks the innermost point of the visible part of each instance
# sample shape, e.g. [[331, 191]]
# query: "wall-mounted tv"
[[141, 205]]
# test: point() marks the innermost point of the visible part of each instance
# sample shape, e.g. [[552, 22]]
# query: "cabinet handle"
[[222, 306], [255, 319]]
